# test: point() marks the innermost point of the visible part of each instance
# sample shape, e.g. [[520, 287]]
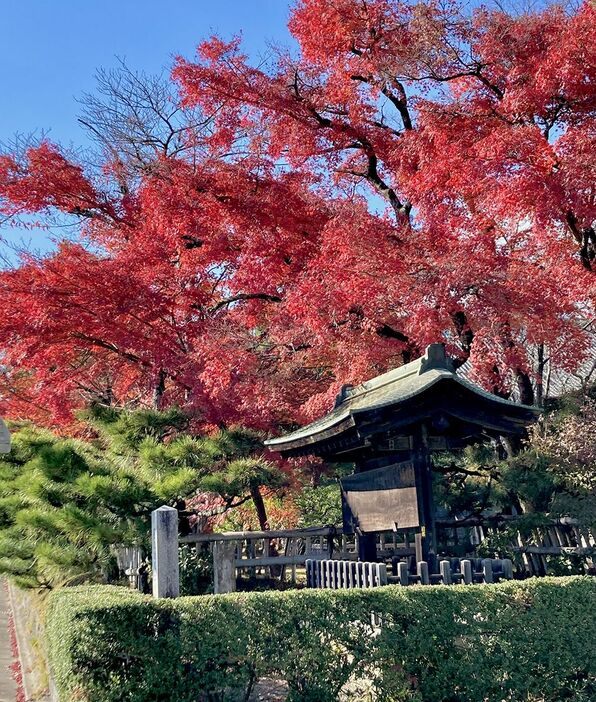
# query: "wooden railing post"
[[467, 573], [164, 552], [224, 567]]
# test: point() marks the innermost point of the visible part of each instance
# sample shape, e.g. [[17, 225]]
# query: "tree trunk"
[[512, 445], [540, 376], [160, 388], [259, 504], [465, 335], [316, 472], [525, 387]]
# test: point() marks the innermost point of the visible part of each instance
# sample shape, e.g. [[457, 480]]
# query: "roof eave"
[[301, 439], [296, 440]]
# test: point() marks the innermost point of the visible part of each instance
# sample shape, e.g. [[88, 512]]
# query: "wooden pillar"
[[426, 540], [164, 552], [367, 548]]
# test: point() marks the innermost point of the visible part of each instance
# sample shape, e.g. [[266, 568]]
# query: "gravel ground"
[[8, 688], [269, 690]]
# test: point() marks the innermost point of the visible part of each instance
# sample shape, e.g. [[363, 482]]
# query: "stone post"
[[487, 569], [164, 552], [404, 575], [224, 569], [423, 573], [445, 570]]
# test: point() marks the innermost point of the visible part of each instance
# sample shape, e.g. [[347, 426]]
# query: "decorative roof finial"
[[435, 358]]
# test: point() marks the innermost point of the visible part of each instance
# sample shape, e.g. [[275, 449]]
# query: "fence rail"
[[253, 535]]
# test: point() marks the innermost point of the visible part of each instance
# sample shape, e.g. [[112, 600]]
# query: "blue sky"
[[50, 50]]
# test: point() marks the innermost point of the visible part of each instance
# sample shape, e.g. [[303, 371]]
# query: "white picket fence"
[[340, 575]]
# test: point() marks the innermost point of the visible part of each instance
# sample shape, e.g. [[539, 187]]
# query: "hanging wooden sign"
[[383, 499]]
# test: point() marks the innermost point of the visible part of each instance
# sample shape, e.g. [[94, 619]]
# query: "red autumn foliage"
[[415, 174]]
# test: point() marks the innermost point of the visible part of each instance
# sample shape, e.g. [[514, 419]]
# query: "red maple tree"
[[414, 174]]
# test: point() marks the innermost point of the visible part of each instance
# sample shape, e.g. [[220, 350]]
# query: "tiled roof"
[[392, 388]]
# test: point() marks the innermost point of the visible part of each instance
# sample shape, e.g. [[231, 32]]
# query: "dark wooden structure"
[[388, 427]]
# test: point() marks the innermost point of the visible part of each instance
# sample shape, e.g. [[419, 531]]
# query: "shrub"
[[530, 641], [196, 571]]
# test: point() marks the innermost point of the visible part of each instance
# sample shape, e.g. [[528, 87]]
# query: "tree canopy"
[[248, 238]]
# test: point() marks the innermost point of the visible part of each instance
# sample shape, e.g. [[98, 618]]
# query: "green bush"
[[196, 571], [530, 641]]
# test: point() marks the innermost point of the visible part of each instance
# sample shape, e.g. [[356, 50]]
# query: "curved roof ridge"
[[434, 358]]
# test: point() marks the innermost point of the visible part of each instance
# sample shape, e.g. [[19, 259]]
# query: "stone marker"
[[164, 552]]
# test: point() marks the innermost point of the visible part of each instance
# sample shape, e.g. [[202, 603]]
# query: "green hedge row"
[[530, 641]]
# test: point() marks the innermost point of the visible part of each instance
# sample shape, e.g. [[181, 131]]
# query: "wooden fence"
[[279, 553], [340, 575], [275, 553], [531, 553]]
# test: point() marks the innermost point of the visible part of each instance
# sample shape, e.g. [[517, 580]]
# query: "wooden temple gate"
[[388, 427]]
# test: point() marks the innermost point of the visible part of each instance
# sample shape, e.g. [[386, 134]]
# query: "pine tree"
[[66, 503]]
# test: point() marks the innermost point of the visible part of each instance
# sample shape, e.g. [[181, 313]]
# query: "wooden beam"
[[556, 550], [251, 535]]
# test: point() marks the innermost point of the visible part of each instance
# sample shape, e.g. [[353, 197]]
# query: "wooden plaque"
[[384, 499]]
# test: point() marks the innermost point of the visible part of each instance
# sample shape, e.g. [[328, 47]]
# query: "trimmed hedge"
[[530, 641]]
